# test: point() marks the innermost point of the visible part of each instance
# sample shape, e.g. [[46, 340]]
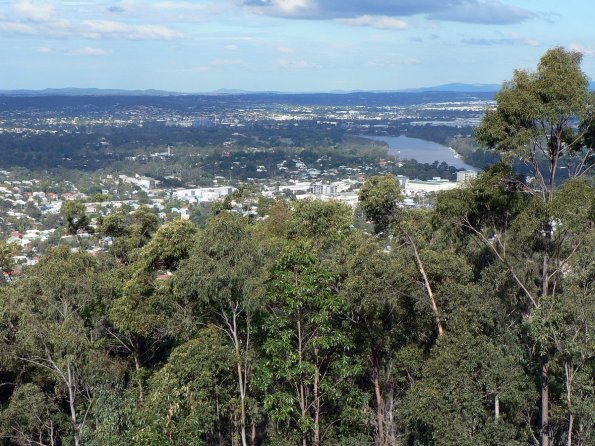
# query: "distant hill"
[[459, 88], [446, 88], [86, 92]]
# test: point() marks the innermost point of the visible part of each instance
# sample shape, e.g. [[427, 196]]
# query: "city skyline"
[[282, 45]]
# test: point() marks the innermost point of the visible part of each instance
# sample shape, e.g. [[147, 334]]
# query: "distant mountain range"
[[86, 92], [453, 88], [458, 88]]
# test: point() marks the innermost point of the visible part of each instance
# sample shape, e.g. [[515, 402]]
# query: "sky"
[[283, 45]]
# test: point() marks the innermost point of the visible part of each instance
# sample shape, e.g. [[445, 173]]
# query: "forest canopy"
[[468, 324]]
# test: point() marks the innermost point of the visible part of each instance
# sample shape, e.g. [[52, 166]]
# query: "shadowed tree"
[[220, 284], [547, 117], [76, 220], [59, 330], [379, 198]]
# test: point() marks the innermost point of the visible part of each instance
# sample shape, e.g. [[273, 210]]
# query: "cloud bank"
[[27, 18], [469, 11]]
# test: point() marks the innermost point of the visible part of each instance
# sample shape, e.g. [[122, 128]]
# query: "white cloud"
[[232, 47], [292, 6], [482, 12], [393, 63], [587, 51], [90, 51], [34, 12], [512, 38], [178, 5], [195, 70], [379, 22], [97, 29], [285, 50], [12, 28], [61, 19], [222, 62], [297, 64], [470, 11], [85, 51]]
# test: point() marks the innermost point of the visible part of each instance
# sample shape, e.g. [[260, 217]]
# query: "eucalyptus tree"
[[7, 253], [220, 283], [380, 199], [129, 231], [326, 224], [543, 116], [309, 364], [59, 333], [546, 115], [386, 326], [497, 214], [141, 316], [190, 400], [76, 220], [32, 417]]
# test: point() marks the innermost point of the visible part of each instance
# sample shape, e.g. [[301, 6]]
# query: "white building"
[[203, 194], [324, 189], [436, 184], [142, 182], [403, 180], [464, 176]]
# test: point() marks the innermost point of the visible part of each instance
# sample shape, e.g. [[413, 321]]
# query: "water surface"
[[422, 151]]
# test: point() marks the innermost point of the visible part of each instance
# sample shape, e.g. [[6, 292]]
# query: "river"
[[421, 150]]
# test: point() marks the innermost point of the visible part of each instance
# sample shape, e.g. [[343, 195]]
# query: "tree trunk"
[[316, 402], [427, 285], [545, 402], [496, 408], [71, 404], [302, 391], [569, 374], [389, 425], [241, 378], [379, 408], [570, 427], [253, 437], [219, 433], [52, 440], [137, 367]]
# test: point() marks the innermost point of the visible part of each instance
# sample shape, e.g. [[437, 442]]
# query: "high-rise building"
[[464, 176]]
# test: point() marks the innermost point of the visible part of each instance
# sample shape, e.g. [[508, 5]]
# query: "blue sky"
[[284, 45]]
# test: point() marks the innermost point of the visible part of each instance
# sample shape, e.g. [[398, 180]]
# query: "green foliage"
[[129, 231], [190, 400], [307, 367], [455, 401], [326, 224], [7, 252], [379, 198], [75, 218], [32, 416], [535, 117], [469, 324]]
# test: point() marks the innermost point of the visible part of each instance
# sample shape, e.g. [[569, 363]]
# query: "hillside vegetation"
[[470, 324]]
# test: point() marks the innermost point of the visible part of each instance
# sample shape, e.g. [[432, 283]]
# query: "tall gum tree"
[[379, 198], [220, 284], [545, 119]]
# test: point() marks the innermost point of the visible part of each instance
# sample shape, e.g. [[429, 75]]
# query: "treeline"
[[472, 153], [468, 324], [302, 329], [94, 147]]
